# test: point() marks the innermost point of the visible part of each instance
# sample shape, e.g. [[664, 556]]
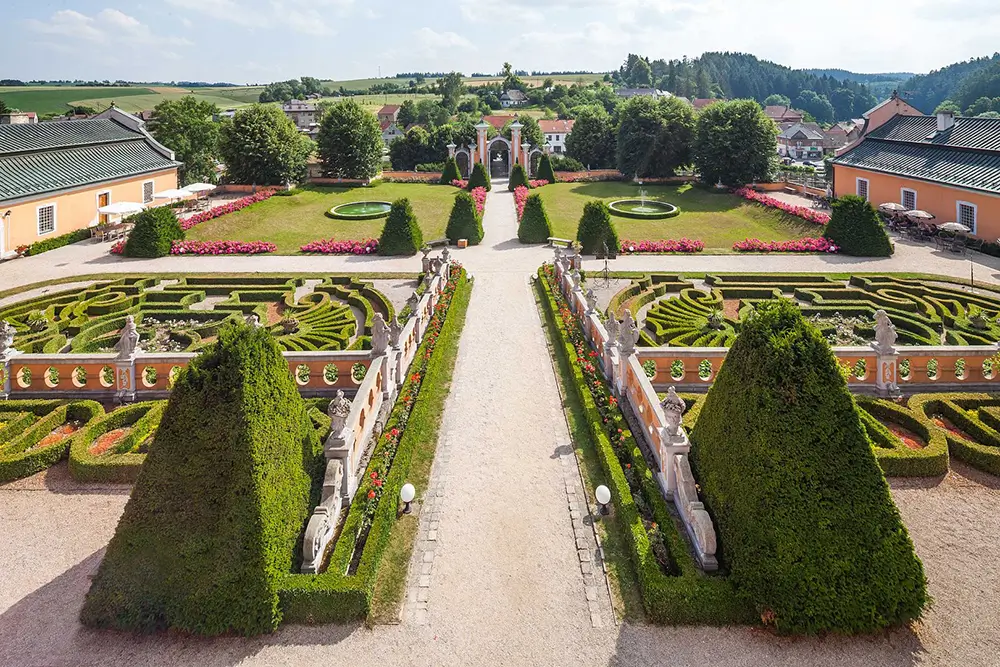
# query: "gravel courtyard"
[[506, 587]]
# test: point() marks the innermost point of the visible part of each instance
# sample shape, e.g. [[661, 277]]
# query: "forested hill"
[[964, 83], [880, 84], [741, 75]]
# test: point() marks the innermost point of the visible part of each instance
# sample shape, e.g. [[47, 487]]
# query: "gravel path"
[[505, 583]]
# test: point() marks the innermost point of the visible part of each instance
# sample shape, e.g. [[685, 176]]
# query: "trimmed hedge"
[[518, 178], [401, 234], [464, 222], [806, 522], [894, 457], [535, 226], [29, 422], [451, 172], [38, 247], [155, 231], [121, 465], [687, 595], [855, 227], [480, 178], [220, 504], [975, 415], [545, 171], [597, 229], [335, 596]]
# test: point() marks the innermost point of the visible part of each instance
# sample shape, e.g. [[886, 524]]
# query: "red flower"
[[371, 494]]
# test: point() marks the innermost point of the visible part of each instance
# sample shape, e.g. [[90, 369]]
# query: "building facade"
[[783, 114], [513, 98], [947, 166], [54, 176], [304, 115], [555, 133], [801, 142], [388, 114]]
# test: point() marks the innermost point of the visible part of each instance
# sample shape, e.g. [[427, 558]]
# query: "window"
[[46, 219], [863, 188], [147, 192], [966, 215], [908, 199]]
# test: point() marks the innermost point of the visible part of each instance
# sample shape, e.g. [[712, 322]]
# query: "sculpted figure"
[[885, 331], [128, 344], [591, 301], [673, 408], [7, 332], [338, 411], [380, 334], [628, 335]]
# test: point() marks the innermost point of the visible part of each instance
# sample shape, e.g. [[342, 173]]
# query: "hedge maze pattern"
[[185, 315], [924, 312]]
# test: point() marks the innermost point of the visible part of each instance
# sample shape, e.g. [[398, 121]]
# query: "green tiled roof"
[[61, 134], [26, 174]]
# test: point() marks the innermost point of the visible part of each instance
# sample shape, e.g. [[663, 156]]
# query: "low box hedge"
[[894, 457], [38, 247], [29, 422], [982, 451], [122, 464]]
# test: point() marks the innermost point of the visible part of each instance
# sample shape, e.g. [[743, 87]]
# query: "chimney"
[[945, 121]]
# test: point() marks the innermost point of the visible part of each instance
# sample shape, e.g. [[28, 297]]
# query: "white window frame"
[[55, 219], [142, 192], [975, 214], [868, 185], [902, 197]]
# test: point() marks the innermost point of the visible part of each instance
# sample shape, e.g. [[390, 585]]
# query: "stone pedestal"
[[887, 371], [340, 447], [670, 446], [125, 380], [7, 372]]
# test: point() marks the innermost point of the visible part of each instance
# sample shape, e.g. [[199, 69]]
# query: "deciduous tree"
[[187, 127], [736, 143], [262, 146]]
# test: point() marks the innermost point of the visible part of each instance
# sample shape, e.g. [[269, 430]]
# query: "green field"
[[290, 222], [57, 99], [567, 79], [717, 219]]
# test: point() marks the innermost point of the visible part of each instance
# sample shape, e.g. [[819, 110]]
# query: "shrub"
[[806, 522], [464, 222], [855, 228], [547, 173], [39, 247], [349, 142], [480, 178], [154, 233], [450, 172], [518, 178], [401, 234], [596, 228], [220, 503], [559, 163], [535, 226]]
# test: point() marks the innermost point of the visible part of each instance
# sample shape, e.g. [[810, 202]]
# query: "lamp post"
[[603, 496], [406, 494]]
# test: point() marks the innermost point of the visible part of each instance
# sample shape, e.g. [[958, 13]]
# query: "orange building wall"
[[939, 200], [76, 209]]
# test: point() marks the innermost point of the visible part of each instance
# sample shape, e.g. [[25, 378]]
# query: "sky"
[[257, 41]]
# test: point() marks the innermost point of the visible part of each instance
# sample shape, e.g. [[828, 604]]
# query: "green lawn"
[[56, 99], [717, 219], [290, 222]]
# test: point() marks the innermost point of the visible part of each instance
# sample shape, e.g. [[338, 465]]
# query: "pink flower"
[[229, 207], [221, 247], [799, 245], [333, 247], [520, 199], [479, 197], [799, 211], [683, 245], [459, 183]]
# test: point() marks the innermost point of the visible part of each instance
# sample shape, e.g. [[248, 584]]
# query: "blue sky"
[[245, 41]]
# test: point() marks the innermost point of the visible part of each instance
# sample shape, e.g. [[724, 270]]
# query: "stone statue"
[[613, 329], [673, 409], [577, 279], [395, 329], [253, 320], [628, 335], [559, 254], [445, 255], [425, 261], [885, 332], [128, 344], [338, 411], [591, 301], [380, 335], [413, 303], [577, 260], [7, 332]]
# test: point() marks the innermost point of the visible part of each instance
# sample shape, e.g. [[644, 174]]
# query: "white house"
[[555, 132], [513, 98], [304, 115], [391, 131]]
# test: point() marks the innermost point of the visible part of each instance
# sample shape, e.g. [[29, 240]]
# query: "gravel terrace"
[[505, 583]]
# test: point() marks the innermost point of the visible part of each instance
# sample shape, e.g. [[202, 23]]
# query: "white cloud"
[[109, 26], [430, 43], [307, 17]]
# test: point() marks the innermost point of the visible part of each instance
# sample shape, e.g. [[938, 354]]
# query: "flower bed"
[[479, 197], [806, 214], [231, 207], [520, 199], [221, 247], [460, 184], [684, 245], [537, 183], [333, 247], [798, 245]]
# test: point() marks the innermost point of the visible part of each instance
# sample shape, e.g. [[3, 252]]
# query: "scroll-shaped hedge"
[[36, 434], [128, 432]]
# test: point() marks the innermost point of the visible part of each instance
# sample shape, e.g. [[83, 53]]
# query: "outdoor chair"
[[944, 240]]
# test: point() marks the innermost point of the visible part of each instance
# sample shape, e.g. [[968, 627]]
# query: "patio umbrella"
[[955, 227], [121, 208], [198, 188], [172, 194], [891, 207], [919, 215]]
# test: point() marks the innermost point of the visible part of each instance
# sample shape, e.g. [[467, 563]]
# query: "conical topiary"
[[480, 178], [450, 172], [464, 222], [401, 234], [535, 226], [807, 526], [597, 229], [220, 503], [154, 232], [855, 228], [545, 171], [518, 178]]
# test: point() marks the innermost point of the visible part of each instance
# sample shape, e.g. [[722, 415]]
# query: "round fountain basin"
[[361, 210], [643, 209]]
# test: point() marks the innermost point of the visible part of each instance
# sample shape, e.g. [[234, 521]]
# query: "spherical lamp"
[[407, 494], [603, 496]]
